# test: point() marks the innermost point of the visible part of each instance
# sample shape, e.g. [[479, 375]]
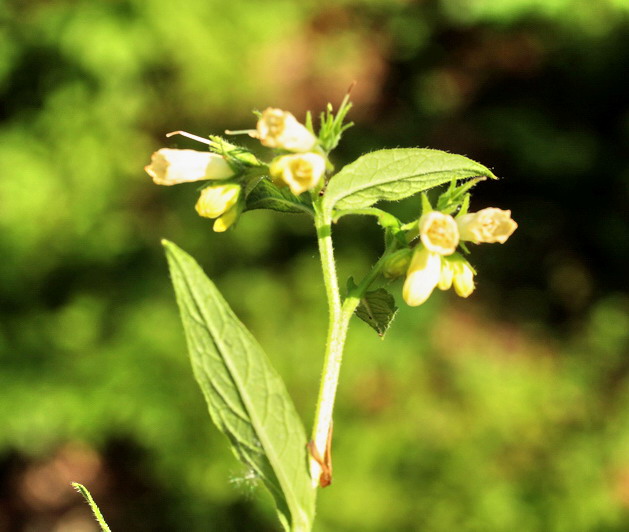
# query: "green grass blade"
[[88, 497]]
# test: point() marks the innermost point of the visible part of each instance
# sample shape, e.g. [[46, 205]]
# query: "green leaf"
[[265, 195], [95, 510], [396, 174], [377, 308], [246, 398]]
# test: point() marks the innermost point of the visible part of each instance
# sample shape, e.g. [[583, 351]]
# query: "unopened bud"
[[171, 167], [225, 221], [463, 278], [397, 263], [300, 172], [488, 225], [439, 232], [280, 129], [215, 201], [446, 275]]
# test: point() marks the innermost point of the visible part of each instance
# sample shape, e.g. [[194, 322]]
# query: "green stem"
[[339, 318]]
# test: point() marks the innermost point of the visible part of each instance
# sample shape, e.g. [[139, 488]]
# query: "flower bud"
[[439, 232], [280, 129], [422, 276], [463, 279], [215, 201], [397, 263], [171, 167], [225, 221], [488, 225], [446, 275], [300, 172]]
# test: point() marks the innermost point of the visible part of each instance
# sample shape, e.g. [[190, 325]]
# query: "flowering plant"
[[247, 399]]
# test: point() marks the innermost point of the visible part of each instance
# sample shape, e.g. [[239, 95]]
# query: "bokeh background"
[[505, 412]]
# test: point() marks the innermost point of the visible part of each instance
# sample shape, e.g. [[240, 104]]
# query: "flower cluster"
[[435, 263], [301, 170]]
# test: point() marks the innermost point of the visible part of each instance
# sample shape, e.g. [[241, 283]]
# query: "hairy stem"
[[339, 317], [340, 314]]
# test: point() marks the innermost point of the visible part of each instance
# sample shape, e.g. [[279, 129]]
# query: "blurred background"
[[505, 412]]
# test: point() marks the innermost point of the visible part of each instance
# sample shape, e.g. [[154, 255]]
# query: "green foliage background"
[[508, 411]]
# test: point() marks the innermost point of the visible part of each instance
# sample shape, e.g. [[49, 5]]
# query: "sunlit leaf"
[[246, 398], [396, 174]]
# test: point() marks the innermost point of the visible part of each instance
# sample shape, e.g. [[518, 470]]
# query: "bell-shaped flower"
[[300, 172], [217, 200], [488, 225], [422, 276], [171, 167], [438, 232], [280, 129]]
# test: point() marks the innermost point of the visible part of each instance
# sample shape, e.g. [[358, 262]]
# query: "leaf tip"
[[169, 247]]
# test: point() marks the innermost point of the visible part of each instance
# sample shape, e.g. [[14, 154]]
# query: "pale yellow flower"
[[488, 225], [463, 278], [280, 129], [446, 275], [217, 200], [226, 220], [300, 172], [422, 276], [171, 167], [439, 232]]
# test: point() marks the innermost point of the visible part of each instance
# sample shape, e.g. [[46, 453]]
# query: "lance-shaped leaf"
[[377, 308], [266, 195], [396, 174], [246, 398]]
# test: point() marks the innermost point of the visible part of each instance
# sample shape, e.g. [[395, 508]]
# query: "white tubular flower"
[[422, 277], [488, 225], [300, 172], [171, 167], [439, 232], [463, 279], [215, 201], [280, 129]]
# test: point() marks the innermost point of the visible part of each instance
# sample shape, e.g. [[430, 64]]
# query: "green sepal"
[[454, 198], [238, 157], [426, 206], [266, 195], [331, 125]]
